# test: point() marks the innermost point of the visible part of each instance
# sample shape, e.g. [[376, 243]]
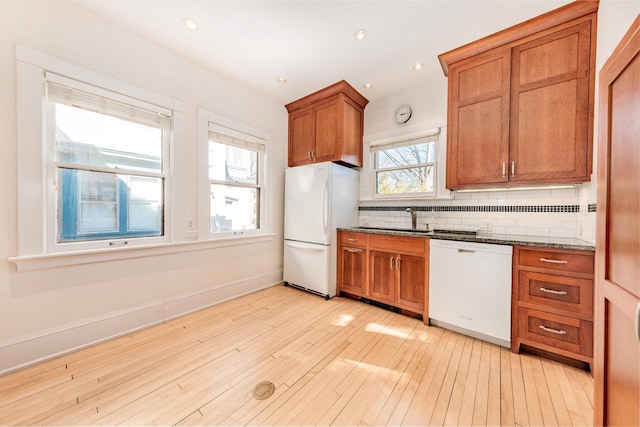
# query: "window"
[[236, 175], [405, 167], [108, 163]]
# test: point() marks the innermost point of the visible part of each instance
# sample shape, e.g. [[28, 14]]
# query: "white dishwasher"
[[470, 289]]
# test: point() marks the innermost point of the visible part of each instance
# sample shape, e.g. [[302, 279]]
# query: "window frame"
[[378, 148], [212, 122], [37, 190], [368, 196], [53, 166]]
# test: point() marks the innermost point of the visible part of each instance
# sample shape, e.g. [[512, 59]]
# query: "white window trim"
[[35, 189], [367, 189], [52, 197], [206, 120]]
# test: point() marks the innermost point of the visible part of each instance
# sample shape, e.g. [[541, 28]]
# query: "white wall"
[[429, 110], [52, 310]]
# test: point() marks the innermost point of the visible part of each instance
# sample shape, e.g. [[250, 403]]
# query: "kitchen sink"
[[405, 230]]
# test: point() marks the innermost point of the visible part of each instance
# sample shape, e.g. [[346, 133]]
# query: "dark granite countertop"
[[497, 239]]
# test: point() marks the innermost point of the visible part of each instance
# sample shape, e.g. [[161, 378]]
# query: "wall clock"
[[402, 114]]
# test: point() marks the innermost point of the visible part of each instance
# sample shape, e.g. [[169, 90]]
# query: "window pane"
[[412, 180], [405, 156], [145, 203], [99, 206], [98, 202], [234, 208], [232, 164], [87, 138]]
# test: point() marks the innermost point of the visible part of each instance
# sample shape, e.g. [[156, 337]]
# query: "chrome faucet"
[[414, 217]]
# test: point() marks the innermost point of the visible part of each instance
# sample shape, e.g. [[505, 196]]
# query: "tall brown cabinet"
[[617, 303], [521, 102]]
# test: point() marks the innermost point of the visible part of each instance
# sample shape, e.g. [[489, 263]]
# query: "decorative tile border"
[[495, 208]]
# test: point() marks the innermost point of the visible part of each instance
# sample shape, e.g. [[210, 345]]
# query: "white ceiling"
[[311, 42]]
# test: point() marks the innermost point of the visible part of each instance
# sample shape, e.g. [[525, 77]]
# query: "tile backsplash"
[[554, 212]]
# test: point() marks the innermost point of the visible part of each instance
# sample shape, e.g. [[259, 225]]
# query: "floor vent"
[[264, 390]]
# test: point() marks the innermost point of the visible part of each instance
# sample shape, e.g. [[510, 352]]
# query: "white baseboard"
[[24, 351]]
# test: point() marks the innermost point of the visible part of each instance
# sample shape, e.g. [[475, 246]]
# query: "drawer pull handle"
[[397, 261], [466, 251], [353, 249], [391, 263], [351, 239], [554, 261], [553, 331], [551, 291], [638, 322]]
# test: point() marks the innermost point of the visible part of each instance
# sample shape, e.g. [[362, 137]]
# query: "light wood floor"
[[338, 362]]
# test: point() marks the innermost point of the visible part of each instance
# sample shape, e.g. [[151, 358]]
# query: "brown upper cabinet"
[[520, 102], [327, 126]]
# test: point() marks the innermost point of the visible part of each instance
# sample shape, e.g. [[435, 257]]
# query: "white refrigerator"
[[318, 199]]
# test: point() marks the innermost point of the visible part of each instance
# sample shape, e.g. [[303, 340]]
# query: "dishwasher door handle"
[[466, 251]]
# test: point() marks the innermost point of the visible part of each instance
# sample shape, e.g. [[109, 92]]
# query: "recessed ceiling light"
[[360, 35], [367, 85], [190, 24], [281, 79], [418, 67]]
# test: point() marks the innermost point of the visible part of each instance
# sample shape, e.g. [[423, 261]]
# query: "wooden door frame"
[[627, 49]]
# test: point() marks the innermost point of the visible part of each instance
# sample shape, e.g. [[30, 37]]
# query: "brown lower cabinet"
[[552, 301], [389, 269]]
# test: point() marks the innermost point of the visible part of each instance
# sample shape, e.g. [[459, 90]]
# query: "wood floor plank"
[[520, 407], [544, 395], [557, 398], [426, 395], [470, 385], [455, 404], [494, 396], [444, 396], [407, 371], [507, 416], [533, 403], [337, 362], [481, 403]]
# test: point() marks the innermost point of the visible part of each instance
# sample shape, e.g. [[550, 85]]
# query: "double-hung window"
[[236, 179], [405, 167], [108, 162]]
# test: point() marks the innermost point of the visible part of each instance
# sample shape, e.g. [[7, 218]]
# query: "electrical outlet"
[[190, 223], [484, 225]]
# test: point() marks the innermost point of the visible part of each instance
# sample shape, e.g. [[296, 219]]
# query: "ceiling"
[[311, 43]]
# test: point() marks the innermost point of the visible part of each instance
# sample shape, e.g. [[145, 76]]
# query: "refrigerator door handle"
[[309, 247], [325, 207]]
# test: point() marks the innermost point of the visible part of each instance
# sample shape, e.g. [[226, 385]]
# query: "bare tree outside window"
[[405, 169]]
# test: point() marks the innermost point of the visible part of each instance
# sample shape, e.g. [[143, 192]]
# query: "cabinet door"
[[301, 137], [617, 338], [550, 117], [478, 142], [326, 131], [411, 281], [352, 271], [382, 276]]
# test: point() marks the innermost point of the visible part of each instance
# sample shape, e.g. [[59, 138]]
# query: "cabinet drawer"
[[561, 261], [569, 295], [403, 245], [557, 332], [353, 239]]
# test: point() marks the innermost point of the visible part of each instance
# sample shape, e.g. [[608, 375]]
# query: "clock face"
[[402, 114]]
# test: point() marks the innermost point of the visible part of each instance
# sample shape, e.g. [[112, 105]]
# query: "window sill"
[[66, 259]]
